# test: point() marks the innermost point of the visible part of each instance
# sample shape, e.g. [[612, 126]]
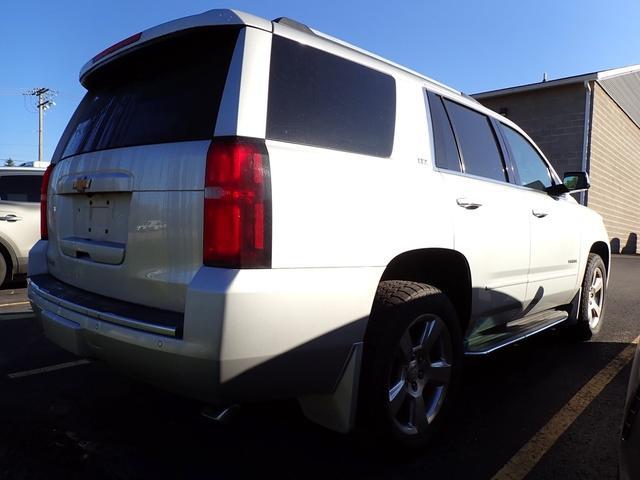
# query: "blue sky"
[[470, 45]]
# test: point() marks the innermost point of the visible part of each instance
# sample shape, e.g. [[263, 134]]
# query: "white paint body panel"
[[555, 251], [277, 311]]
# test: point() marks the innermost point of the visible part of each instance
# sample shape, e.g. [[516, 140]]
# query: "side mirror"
[[571, 183]]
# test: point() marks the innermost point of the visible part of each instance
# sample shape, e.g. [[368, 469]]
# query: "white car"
[[335, 227], [19, 218]]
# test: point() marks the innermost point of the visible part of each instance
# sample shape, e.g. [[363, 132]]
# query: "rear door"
[[126, 204], [491, 221], [20, 211]]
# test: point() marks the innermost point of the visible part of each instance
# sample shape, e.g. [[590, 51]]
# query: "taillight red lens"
[[237, 205], [44, 188]]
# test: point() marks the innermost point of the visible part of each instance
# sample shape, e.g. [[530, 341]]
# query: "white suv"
[[19, 218], [243, 209]]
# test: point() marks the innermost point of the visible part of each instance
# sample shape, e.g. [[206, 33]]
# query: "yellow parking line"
[[530, 454], [13, 304]]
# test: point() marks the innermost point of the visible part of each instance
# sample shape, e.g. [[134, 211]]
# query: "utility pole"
[[44, 102]]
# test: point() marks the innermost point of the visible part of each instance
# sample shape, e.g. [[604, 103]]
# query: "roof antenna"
[[544, 77]]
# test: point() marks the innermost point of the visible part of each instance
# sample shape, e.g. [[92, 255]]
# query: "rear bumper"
[[246, 334], [167, 362]]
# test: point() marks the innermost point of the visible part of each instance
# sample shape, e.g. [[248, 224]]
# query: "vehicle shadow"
[[14, 284], [112, 427]]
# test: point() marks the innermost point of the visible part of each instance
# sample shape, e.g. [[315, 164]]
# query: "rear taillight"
[[44, 188], [237, 204]]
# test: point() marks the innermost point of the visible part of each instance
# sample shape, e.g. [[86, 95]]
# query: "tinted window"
[[480, 153], [444, 142], [532, 170], [166, 92], [20, 188], [320, 99]]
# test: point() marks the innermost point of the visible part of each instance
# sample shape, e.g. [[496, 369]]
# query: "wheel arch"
[[602, 250], [10, 258], [443, 268]]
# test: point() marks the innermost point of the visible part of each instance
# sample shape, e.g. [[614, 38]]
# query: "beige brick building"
[[588, 122]]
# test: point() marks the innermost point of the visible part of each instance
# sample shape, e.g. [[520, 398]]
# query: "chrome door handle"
[[468, 204], [11, 218], [539, 213]]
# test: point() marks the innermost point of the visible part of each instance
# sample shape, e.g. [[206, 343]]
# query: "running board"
[[513, 332]]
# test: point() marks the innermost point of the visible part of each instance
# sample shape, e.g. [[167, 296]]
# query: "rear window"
[[480, 152], [169, 91], [320, 99], [20, 188]]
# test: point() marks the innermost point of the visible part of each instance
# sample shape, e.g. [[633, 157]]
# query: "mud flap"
[[337, 411]]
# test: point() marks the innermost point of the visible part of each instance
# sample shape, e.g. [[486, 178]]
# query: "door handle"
[[539, 213], [468, 204], [11, 218]]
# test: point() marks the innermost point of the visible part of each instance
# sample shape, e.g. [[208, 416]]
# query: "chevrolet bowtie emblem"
[[81, 184]]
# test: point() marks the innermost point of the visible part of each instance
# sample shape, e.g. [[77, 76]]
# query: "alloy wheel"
[[420, 374], [596, 297]]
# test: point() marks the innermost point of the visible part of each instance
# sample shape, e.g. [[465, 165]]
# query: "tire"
[[411, 365], [592, 299], [3, 270]]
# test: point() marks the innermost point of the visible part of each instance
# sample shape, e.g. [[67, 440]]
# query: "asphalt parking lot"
[[87, 421]]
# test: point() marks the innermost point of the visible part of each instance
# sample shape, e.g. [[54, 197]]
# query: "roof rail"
[[293, 24], [469, 97]]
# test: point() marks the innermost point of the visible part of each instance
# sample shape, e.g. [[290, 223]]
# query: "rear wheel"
[[412, 359], [592, 298]]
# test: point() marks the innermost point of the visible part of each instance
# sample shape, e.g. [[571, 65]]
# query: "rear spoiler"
[[208, 18]]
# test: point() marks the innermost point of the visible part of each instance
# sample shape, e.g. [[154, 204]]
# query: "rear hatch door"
[[126, 204]]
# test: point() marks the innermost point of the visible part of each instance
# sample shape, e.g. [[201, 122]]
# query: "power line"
[[6, 92]]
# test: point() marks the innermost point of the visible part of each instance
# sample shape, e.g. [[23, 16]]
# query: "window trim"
[[514, 175], [511, 169], [428, 95]]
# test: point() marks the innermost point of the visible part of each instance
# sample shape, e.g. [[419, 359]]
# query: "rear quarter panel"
[[340, 209]]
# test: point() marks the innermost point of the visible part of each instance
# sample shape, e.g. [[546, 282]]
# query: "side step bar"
[[494, 339]]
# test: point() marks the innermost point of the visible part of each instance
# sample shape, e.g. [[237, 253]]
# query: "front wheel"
[[412, 359], [3, 270], [592, 298]]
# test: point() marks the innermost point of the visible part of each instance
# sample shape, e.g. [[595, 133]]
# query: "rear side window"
[[444, 142], [532, 170], [169, 91], [20, 188], [480, 153], [320, 99]]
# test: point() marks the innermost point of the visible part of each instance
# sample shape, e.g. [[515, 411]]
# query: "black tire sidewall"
[[593, 262], [3, 270], [390, 324]]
